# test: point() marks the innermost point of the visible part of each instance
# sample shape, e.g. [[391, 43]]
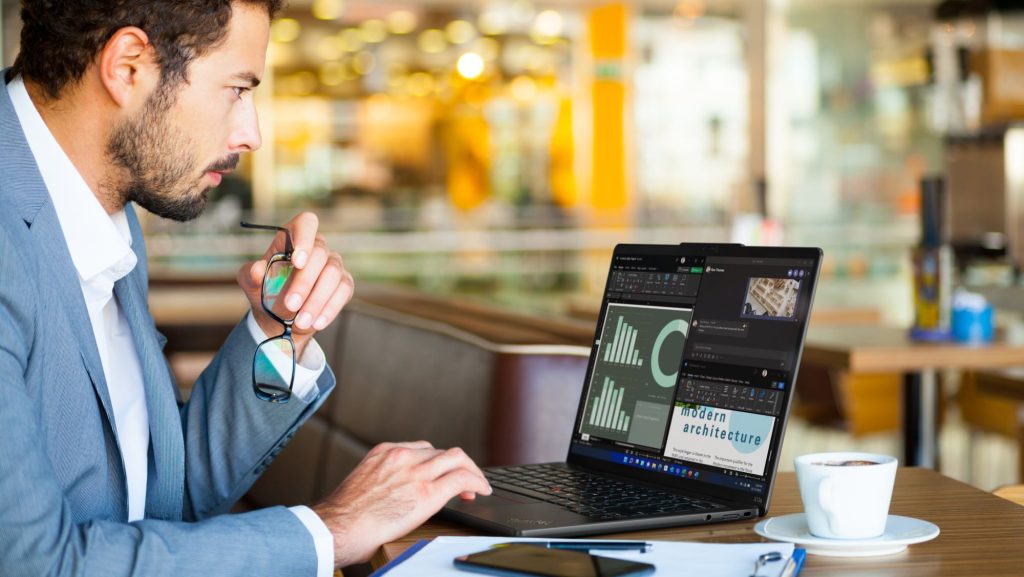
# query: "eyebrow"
[[247, 77]]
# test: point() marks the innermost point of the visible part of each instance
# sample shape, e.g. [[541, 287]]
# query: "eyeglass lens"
[[273, 366], [276, 285]]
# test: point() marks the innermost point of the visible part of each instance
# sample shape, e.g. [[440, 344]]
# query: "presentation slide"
[[711, 436], [632, 387]]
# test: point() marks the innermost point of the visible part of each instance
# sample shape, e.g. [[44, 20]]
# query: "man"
[[114, 103]]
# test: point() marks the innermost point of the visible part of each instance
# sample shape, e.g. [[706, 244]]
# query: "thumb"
[[256, 272], [250, 275]]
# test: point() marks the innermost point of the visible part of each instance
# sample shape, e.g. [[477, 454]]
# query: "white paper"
[[669, 557]]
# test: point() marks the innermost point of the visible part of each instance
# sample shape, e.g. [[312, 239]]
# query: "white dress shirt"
[[100, 248]]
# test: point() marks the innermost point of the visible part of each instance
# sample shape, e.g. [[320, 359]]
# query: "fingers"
[[455, 459], [303, 229], [393, 490], [318, 292], [314, 286], [460, 481], [338, 301], [256, 272], [319, 287], [277, 245], [322, 305], [385, 447], [423, 461], [250, 275], [446, 461], [301, 283]]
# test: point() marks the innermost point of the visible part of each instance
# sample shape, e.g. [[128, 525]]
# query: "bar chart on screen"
[[631, 387], [622, 348], [607, 411]]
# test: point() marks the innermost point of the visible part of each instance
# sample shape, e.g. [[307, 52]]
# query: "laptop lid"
[[693, 365]]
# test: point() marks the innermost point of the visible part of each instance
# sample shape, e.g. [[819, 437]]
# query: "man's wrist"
[[330, 514]]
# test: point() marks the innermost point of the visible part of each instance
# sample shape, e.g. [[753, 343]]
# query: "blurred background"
[[496, 150], [488, 148]]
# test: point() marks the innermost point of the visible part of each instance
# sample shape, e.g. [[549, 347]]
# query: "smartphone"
[[518, 559]]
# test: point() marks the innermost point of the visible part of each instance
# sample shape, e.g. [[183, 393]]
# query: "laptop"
[[685, 401]]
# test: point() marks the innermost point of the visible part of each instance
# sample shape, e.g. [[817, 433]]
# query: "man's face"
[[184, 140]]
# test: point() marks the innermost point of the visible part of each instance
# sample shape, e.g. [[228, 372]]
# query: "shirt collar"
[[98, 242]]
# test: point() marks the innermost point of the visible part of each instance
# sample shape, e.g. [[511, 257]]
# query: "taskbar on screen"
[[671, 468]]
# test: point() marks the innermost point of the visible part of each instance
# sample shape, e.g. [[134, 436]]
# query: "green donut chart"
[[666, 380]]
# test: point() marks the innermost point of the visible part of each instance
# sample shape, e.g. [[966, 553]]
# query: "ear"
[[127, 67]]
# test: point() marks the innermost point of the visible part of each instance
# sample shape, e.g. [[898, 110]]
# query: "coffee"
[[850, 463]]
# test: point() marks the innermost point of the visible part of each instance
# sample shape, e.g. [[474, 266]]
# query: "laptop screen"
[[693, 365]]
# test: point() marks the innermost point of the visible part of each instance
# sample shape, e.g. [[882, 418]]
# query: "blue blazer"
[[63, 506]]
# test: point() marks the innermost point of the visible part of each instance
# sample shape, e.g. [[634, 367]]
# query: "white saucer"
[[899, 532]]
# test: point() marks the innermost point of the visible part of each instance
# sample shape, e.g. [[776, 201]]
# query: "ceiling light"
[[523, 88], [351, 40], [373, 31], [432, 41], [460, 31], [470, 66], [327, 9], [401, 22], [332, 73], [285, 30], [548, 23]]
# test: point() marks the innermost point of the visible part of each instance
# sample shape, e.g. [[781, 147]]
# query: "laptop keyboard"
[[593, 495]]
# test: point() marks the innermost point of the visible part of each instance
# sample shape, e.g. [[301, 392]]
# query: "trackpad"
[[503, 510]]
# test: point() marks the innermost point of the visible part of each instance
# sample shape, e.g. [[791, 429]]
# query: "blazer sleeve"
[[39, 536], [230, 435]]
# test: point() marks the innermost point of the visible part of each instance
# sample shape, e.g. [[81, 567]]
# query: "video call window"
[[771, 298]]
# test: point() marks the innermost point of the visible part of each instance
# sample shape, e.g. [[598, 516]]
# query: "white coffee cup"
[[845, 500]]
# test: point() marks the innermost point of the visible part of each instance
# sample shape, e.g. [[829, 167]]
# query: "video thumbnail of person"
[[771, 298]]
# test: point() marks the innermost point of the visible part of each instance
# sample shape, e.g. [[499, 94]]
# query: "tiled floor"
[[985, 461]]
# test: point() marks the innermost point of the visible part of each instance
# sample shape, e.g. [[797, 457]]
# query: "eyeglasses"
[[272, 381]]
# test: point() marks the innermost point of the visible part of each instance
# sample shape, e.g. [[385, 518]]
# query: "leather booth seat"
[[504, 387]]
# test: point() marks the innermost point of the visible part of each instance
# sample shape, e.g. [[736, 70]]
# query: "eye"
[[240, 91]]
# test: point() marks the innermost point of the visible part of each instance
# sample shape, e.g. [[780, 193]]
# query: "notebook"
[[685, 398], [434, 557]]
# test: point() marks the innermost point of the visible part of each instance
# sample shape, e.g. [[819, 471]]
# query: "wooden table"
[[981, 533], [881, 349]]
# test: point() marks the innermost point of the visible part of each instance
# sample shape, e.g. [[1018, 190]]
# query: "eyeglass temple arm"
[[287, 234]]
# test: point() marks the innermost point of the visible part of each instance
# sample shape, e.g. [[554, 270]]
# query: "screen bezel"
[[744, 498]]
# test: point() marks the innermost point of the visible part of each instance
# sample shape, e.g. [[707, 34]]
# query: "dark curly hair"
[[61, 38]]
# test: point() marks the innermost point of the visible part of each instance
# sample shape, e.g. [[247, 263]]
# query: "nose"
[[245, 133]]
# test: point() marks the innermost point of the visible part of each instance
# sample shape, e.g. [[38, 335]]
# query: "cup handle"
[[826, 499]]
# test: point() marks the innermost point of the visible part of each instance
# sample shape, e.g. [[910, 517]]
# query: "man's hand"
[[392, 491], [318, 289]]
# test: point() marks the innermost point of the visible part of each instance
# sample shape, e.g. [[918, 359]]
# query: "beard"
[[162, 175]]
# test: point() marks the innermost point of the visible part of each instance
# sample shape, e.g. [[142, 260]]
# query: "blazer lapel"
[[166, 485]]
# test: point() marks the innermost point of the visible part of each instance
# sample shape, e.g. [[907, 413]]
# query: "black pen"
[[641, 546]]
